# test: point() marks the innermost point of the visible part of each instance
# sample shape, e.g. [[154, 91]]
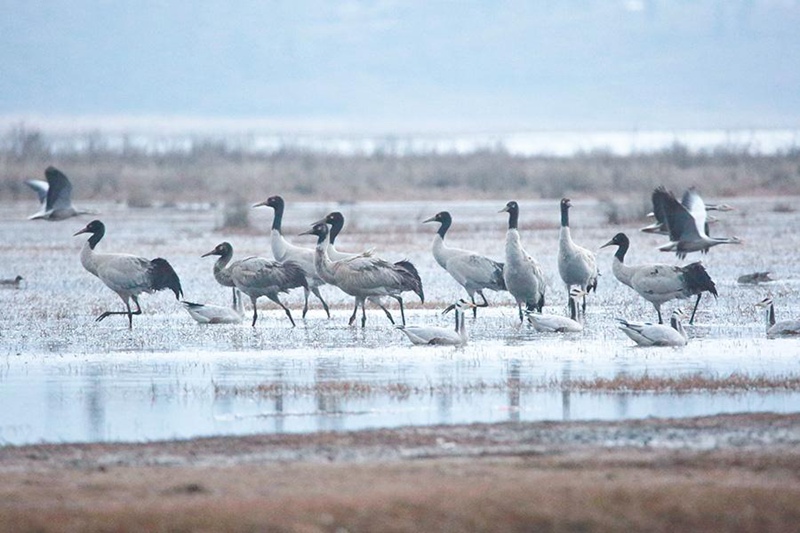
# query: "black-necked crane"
[[547, 323], [257, 277], [647, 334], [576, 265], [660, 225], [365, 276], [55, 198], [688, 228], [283, 251], [335, 220], [522, 274], [125, 274], [222, 272], [471, 270], [784, 328], [660, 283], [436, 335], [215, 314]]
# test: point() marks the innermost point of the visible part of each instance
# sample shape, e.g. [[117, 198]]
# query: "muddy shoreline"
[[731, 472]]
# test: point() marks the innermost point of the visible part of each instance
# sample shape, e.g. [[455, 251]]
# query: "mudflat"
[[720, 473]]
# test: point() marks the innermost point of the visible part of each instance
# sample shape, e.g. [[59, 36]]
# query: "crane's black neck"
[[622, 249], [96, 236], [278, 206], [564, 215], [445, 220], [513, 216], [225, 257], [336, 220]]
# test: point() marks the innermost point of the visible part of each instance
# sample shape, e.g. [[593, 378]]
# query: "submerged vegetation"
[[735, 382], [203, 170]]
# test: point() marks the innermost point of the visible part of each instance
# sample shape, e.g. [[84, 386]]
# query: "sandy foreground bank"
[[736, 472]]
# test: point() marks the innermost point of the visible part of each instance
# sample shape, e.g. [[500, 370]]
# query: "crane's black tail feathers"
[[163, 276], [698, 280], [412, 280], [295, 275], [497, 276]]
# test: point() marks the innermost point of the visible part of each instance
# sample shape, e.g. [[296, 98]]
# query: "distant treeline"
[[216, 172]]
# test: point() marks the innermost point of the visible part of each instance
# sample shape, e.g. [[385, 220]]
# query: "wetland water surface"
[[66, 378]]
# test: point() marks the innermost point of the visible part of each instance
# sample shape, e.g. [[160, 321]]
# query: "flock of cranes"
[[367, 277]]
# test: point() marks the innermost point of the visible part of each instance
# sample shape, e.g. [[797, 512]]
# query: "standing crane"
[[576, 265], [125, 274], [471, 270], [283, 251], [365, 276], [522, 274]]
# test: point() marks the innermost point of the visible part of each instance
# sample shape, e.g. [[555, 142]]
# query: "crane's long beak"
[[320, 221], [448, 309], [84, 230], [431, 219], [308, 232], [504, 210], [609, 243], [260, 204], [208, 253]]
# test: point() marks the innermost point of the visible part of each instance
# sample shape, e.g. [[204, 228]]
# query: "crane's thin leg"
[[658, 310], [353, 316], [484, 304], [696, 303], [402, 312], [519, 308], [127, 313], [315, 290], [255, 311], [386, 311], [363, 314], [305, 301], [286, 309]]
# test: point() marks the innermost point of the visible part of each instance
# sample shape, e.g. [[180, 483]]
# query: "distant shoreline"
[[267, 136]]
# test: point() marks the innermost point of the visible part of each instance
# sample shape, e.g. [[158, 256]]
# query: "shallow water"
[[66, 378]]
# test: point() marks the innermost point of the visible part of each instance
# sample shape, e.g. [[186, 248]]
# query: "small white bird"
[[522, 274], [648, 334], [576, 265], [546, 323], [215, 314], [55, 197], [125, 274], [435, 335], [784, 328]]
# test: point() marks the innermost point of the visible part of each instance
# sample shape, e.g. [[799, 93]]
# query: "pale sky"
[[407, 65]]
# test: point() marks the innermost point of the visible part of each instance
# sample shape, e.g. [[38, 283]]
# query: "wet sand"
[[723, 473]]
